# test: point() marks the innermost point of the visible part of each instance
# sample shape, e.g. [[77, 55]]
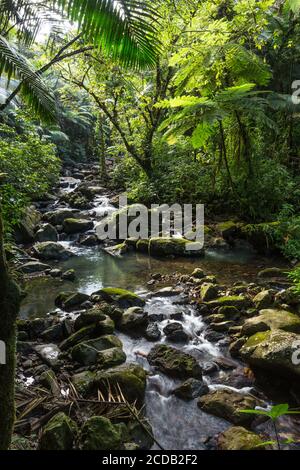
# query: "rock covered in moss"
[[208, 292], [57, 217], [238, 301], [134, 321], [272, 319], [59, 433], [227, 404], [87, 352], [264, 299], [273, 351], [47, 233], [71, 226], [130, 378], [174, 362], [122, 297], [51, 251], [239, 438], [175, 333], [89, 318], [98, 433]]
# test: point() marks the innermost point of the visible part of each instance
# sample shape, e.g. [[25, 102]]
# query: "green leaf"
[[279, 410]]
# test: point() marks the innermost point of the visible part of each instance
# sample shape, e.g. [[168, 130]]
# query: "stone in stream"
[[54, 333], [55, 273], [34, 267], [122, 297], [240, 302], [272, 319], [87, 352], [98, 433], [49, 353], [175, 333], [239, 438], [69, 275], [94, 330], [208, 292], [131, 378], [51, 251], [273, 351], [47, 233], [190, 389], [88, 240], [58, 217], [88, 318], [59, 433], [152, 332], [264, 299], [71, 226], [71, 300], [227, 404], [134, 321], [174, 362]]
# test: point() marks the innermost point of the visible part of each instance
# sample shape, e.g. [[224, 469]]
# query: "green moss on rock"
[[59, 433]]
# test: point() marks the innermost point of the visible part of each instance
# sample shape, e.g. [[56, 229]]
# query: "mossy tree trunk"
[[9, 306]]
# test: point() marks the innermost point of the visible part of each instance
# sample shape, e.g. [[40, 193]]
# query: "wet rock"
[[213, 336], [122, 297], [264, 299], [272, 273], [71, 226], [209, 368], [230, 312], [225, 363], [198, 273], [34, 267], [88, 240], [88, 332], [49, 353], [174, 362], [51, 251], [222, 326], [208, 292], [176, 316], [47, 233], [54, 333], [87, 352], [59, 433], [58, 217], [167, 292], [273, 351], [162, 247], [240, 302], [98, 433], [74, 300], [69, 275], [24, 232], [236, 345], [130, 378], [111, 358], [34, 327], [55, 273], [227, 404], [175, 333], [138, 434], [272, 319], [134, 321], [239, 438], [190, 389], [152, 332], [89, 318], [156, 317]]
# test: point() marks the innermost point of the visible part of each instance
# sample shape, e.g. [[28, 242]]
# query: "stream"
[[177, 424]]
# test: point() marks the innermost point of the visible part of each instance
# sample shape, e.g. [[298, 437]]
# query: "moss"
[[174, 362], [59, 433], [257, 339], [123, 297], [239, 438], [99, 433], [233, 300]]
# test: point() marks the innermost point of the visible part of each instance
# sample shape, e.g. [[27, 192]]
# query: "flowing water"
[[177, 424]]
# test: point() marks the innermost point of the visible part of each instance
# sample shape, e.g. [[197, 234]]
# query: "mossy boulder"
[[273, 351], [198, 273], [47, 233], [58, 434], [130, 378], [88, 318], [260, 236], [51, 251], [58, 217], [238, 301], [122, 297], [264, 299], [229, 230], [24, 231], [74, 300], [111, 358], [162, 247], [239, 438], [98, 433], [87, 352], [71, 226], [272, 319], [270, 273], [229, 312], [208, 292], [134, 321], [227, 404], [88, 332], [174, 362]]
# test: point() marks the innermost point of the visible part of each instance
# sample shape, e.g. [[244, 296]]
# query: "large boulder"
[[71, 226], [175, 332], [25, 230], [92, 331], [134, 321], [58, 217], [238, 301], [272, 319], [98, 433], [208, 292], [49, 353], [273, 351], [122, 297], [162, 247], [131, 379], [88, 352], [227, 404], [58, 434], [174, 363], [239, 438], [51, 251], [33, 267], [264, 299], [47, 233]]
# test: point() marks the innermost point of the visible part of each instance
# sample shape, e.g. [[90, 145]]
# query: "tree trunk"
[[9, 307]]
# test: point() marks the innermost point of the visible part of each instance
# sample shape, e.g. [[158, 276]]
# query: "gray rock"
[[47, 233], [175, 333]]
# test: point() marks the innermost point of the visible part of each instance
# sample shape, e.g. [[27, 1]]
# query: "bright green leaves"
[[293, 5], [274, 413]]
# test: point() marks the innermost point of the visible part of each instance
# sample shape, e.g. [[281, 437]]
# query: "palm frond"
[[34, 91]]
